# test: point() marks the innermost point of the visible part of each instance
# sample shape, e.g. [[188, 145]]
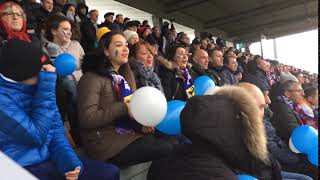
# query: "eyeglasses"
[[11, 14], [296, 90]]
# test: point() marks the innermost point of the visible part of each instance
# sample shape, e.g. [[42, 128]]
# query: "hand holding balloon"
[[65, 64], [148, 106]]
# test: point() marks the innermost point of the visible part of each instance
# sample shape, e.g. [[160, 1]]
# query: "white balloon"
[[291, 146], [212, 90], [148, 106]]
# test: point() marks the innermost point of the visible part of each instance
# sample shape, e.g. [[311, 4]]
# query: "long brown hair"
[[125, 69]]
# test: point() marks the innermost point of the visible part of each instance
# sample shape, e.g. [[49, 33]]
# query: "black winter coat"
[[284, 119], [88, 34], [172, 81], [219, 78], [198, 71], [220, 141]]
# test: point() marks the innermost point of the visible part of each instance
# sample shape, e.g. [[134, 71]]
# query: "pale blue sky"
[[299, 50]]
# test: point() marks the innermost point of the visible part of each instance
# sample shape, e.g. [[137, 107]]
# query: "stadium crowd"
[[244, 128]]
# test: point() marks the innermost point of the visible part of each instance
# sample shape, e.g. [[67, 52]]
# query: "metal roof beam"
[[254, 12], [261, 28], [172, 7]]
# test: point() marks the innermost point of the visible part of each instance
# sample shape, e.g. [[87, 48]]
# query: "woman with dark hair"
[[143, 66], [176, 74], [13, 22], [108, 131], [59, 33], [69, 10]]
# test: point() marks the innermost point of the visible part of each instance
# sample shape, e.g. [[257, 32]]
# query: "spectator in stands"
[[216, 65], [125, 21], [230, 67], [182, 40], [277, 89], [223, 145], [156, 34], [200, 61], [145, 23], [59, 34], [82, 10], [307, 81], [196, 44], [243, 63], [145, 33], [69, 10], [108, 131], [300, 78], [176, 75], [88, 30], [257, 69], [108, 21], [12, 22], [220, 42], [118, 23], [285, 117], [30, 6], [58, 6], [154, 47], [204, 44], [309, 106], [40, 16], [276, 147], [239, 73], [132, 26], [143, 66], [131, 37], [31, 131]]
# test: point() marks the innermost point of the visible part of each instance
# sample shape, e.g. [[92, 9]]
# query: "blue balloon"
[[171, 122], [313, 155], [246, 177], [304, 138], [202, 84], [65, 64]]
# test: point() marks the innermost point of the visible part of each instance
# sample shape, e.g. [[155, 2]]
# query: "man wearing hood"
[[227, 139]]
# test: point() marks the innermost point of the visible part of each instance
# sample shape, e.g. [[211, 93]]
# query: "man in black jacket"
[[108, 21], [40, 16], [118, 23], [88, 31], [200, 61], [216, 65]]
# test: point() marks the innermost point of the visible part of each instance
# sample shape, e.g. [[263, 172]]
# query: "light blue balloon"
[[202, 84], [313, 155], [171, 122], [246, 177], [304, 138], [65, 64]]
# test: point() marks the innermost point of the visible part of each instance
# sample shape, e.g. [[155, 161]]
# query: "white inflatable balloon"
[[148, 106], [291, 146], [212, 91]]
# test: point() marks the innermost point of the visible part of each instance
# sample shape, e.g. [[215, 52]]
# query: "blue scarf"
[[124, 93]]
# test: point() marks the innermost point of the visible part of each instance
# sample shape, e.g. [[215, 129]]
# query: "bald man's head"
[[257, 95], [201, 58]]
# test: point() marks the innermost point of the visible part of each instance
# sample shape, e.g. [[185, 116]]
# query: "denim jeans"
[[294, 176]]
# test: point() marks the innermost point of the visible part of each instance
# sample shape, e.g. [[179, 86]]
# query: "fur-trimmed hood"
[[228, 122], [163, 62]]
